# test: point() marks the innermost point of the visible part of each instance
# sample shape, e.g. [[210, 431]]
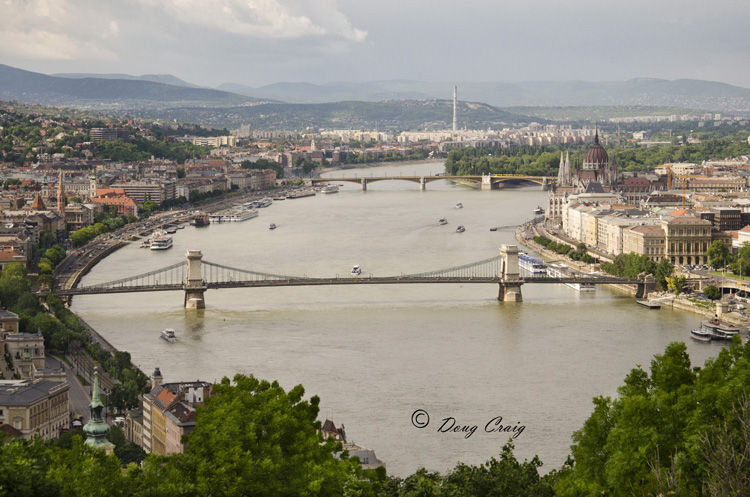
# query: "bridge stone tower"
[[510, 279], [194, 286]]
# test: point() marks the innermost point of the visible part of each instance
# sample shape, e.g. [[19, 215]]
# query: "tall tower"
[[455, 108], [96, 429], [61, 197]]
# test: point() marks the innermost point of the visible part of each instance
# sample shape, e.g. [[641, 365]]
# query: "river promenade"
[[525, 235]]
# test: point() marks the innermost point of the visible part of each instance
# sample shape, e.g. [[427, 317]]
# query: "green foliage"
[[741, 263], [141, 149], [274, 432], [630, 265], [661, 434], [718, 254], [712, 292], [663, 271], [261, 164], [677, 284], [13, 283]]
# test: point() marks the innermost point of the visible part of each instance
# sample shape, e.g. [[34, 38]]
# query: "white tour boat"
[[233, 216], [330, 189], [443, 221], [356, 271], [161, 241], [555, 271], [531, 265], [168, 335]]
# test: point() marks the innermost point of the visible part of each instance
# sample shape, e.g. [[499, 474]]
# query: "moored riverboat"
[[531, 265]]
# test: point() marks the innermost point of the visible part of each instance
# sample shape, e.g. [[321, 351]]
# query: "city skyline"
[[253, 42]]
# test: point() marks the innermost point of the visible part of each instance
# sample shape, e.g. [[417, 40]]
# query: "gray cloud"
[[258, 42]]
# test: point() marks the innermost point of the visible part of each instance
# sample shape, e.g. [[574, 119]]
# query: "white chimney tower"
[[455, 108]]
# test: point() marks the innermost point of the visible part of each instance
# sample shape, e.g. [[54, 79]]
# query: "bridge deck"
[[338, 281]]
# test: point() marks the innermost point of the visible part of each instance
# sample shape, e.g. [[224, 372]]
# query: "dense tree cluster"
[[676, 431], [577, 254], [631, 265], [261, 164], [673, 430], [545, 160]]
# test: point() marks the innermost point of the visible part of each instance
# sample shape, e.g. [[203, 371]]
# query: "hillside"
[[388, 115], [685, 93], [166, 79], [29, 87]]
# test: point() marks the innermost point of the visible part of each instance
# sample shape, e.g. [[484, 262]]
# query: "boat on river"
[[459, 205], [161, 241], [701, 335], [531, 265], [330, 189], [721, 330], [168, 335], [559, 271], [460, 229], [443, 221], [356, 271], [538, 211], [272, 227]]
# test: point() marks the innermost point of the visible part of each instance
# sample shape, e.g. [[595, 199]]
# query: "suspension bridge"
[[195, 276]]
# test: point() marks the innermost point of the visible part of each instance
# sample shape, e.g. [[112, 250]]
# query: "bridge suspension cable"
[[218, 273], [484, 269], [170, 275]]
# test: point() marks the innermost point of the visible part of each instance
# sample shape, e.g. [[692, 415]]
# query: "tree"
[[712, 292], [253, 438], [718, 254], [676, 284], [13, 283], [663, 271]]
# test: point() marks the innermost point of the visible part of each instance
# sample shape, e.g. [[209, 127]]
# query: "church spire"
[[96, 429], [61, 197]]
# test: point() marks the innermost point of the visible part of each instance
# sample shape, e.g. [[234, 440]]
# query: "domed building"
[[596, 175], [596, 166]]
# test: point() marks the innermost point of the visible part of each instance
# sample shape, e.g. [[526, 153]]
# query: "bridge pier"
[[486, 182], [545, 184], [194, 286], [510, 279], [364, 184], [647, 286], [422, 184]]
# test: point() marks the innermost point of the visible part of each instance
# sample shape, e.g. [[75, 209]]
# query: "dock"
[[650, 304]]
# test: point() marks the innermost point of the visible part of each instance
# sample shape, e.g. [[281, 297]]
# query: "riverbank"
[[525, 236]]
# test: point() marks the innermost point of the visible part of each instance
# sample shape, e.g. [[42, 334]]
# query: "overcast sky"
[[258, 42]]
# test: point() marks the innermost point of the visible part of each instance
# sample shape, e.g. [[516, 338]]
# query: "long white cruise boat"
[[233, 216], [555, 271], [330, 189], [531, 265], [161, 241]]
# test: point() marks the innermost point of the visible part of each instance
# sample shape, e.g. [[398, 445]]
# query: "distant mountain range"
[[166, 79], [31, 87], [387, 104], [687, 93]]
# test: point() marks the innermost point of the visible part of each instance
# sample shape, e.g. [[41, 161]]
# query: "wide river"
[[375, 354]]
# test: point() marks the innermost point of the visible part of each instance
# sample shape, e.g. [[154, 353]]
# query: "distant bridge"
[[196, 276], [487, 181]]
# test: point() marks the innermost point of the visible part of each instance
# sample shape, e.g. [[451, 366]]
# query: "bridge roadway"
[[487, 181], [388, 280]]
